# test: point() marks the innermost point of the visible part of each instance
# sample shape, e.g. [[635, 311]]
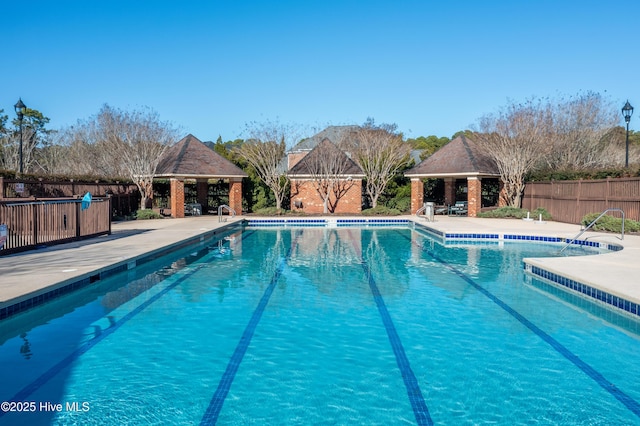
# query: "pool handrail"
[[231, 211], [572, 240]]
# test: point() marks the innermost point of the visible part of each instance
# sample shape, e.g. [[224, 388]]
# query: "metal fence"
[[569, 201], [30, 224]]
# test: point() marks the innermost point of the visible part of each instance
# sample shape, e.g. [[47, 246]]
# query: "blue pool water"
[[323, 326]]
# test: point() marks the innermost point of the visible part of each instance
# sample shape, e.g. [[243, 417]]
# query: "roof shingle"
[[460, 157], [192, 158]]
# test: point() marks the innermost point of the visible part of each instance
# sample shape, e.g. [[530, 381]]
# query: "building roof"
[[305, 166], [459, 158], [190, 158], [333, 133]]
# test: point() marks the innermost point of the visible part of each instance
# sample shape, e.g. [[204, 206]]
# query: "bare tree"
[[517, 138], [329, 169], [11, 149], [77, 152], [265, 150], [584, 133], [137, 140], [380, 152]]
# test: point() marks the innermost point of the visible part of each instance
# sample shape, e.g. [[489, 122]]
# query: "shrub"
[[513, 212], [381, 211], [147, 214], [402, 204], [267, 211], [610, 224]]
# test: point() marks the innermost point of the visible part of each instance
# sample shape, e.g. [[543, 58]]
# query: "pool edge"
[[27, 301]]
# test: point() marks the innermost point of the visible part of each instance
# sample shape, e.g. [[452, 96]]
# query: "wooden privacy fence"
[[125, 196], [569, 201], [30, 224]]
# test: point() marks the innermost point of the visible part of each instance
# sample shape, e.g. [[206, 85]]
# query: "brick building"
[[323, 177]]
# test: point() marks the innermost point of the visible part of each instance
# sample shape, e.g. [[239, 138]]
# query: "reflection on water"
[[25, 349]]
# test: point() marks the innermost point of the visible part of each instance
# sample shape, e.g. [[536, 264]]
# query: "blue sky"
[[210, 67]]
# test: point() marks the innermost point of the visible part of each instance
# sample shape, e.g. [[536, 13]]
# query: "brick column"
[[235, 195], [177, 198], [449, 191], [202, 191], [417, 194], [474, 196]]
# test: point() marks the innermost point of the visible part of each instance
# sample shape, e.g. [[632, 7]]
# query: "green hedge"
[[513, 212], [147, 214], [381, 211], [610, 224], [546, 175]]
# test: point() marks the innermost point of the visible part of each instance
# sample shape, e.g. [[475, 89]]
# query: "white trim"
[[175, 176], [446, 175]]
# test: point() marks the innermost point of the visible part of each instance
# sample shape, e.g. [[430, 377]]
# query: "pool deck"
[[29, 274]]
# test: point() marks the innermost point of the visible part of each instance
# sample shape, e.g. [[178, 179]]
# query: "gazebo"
[[190, 159], [459, 159]]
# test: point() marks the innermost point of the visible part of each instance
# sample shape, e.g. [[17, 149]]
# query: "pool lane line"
[[605, 384], [210, 416], [25, 392], [418, 404], [416, 398]]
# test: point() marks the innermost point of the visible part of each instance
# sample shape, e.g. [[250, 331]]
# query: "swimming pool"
[[323, 326]]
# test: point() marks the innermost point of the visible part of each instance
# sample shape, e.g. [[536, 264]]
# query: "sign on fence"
[[3, 235]]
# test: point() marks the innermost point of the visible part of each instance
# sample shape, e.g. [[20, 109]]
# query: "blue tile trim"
[[418, 404], [324, 221], [533, 238], [210, 416], [625, 399], [587, 290], [472, 236], [515, 237]]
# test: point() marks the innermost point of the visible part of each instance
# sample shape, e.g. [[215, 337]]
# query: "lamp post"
[[627, 111], [20, 109]]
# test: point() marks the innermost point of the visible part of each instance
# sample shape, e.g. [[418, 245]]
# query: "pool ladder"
[[572, 240], [221, 208]]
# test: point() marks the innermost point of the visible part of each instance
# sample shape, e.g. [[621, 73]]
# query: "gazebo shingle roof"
[[460, 157], [304, 166], [192, 158]]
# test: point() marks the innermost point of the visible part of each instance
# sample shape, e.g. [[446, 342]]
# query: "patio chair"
[[459, 208]]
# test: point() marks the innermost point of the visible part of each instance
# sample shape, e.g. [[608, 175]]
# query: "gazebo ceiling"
[[459, 158], [190, 158]]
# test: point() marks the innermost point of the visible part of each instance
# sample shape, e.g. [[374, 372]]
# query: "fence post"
[[35, 224], [1, 187], [78, 220], [109, 198]]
